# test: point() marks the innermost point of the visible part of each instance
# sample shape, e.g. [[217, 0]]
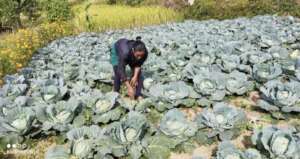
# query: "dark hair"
[[139, 45]]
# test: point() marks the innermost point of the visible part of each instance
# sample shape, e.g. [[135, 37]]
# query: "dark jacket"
[[124, 49]]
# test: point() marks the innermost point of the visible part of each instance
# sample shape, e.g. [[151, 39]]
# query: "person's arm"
[[122, 72], [134, 79], [137, 71]]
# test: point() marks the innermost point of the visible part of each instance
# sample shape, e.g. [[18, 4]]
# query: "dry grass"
[[36, 152], [109, 17]]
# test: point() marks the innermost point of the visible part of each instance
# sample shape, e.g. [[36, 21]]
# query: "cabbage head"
[[238, 83], [210, 84], [13, 90], [173, 92], [224, 120], [277, 142], [106, 102], [266, 71], [83, 140], [17, 120], [175, 124], [280, 96], [58, 116], [228, 63], [130, 129]]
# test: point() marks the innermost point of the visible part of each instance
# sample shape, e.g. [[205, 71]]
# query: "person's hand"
[[130, 92], [133, 81]]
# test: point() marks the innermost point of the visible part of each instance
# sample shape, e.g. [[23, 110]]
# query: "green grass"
[[109, 17]]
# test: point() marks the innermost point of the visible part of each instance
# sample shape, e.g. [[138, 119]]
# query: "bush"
[[222, 9], [57, 10]]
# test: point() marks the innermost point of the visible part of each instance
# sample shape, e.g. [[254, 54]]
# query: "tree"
[[11, 10]]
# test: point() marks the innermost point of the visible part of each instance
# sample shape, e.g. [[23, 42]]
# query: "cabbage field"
[[199, 66]]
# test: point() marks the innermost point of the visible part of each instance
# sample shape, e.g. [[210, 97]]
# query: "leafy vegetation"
[[222, 9], [16, 49]]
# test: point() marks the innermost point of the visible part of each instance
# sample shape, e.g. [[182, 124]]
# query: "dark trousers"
[[117, 82]]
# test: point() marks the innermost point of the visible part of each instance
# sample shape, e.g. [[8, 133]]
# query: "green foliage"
[[133, 2], [5, 65], [58, 10], [207, 9], [11, 11]]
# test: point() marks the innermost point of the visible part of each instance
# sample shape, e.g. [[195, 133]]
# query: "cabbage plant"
[[229, 62], [105, 102], [280, 96], [13, 90], [288, 66], [277, 142], [58, 116], [127, 135], [130, 129], [175, 124], [266, 71], [256, 57], [227, 150], [106, 108], [224, 120], [173, 92], [82, 140], [238, 83], [18, 120], [210, 84]]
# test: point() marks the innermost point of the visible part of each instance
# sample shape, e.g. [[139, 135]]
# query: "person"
[[133, 53]]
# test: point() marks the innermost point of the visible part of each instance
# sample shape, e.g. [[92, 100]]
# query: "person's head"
[[139, 49]]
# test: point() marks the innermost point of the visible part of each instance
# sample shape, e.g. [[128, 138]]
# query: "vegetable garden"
[[198, 66]]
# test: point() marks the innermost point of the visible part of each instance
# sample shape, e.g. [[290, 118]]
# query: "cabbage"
[[131, 128], [175, 124], [57, 116], [238, 83], [210, 84], [17, 120], [277, 142], [224, 120], [280, 96], [173, 92], [83, 140], [266, 71], [227, 150]]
